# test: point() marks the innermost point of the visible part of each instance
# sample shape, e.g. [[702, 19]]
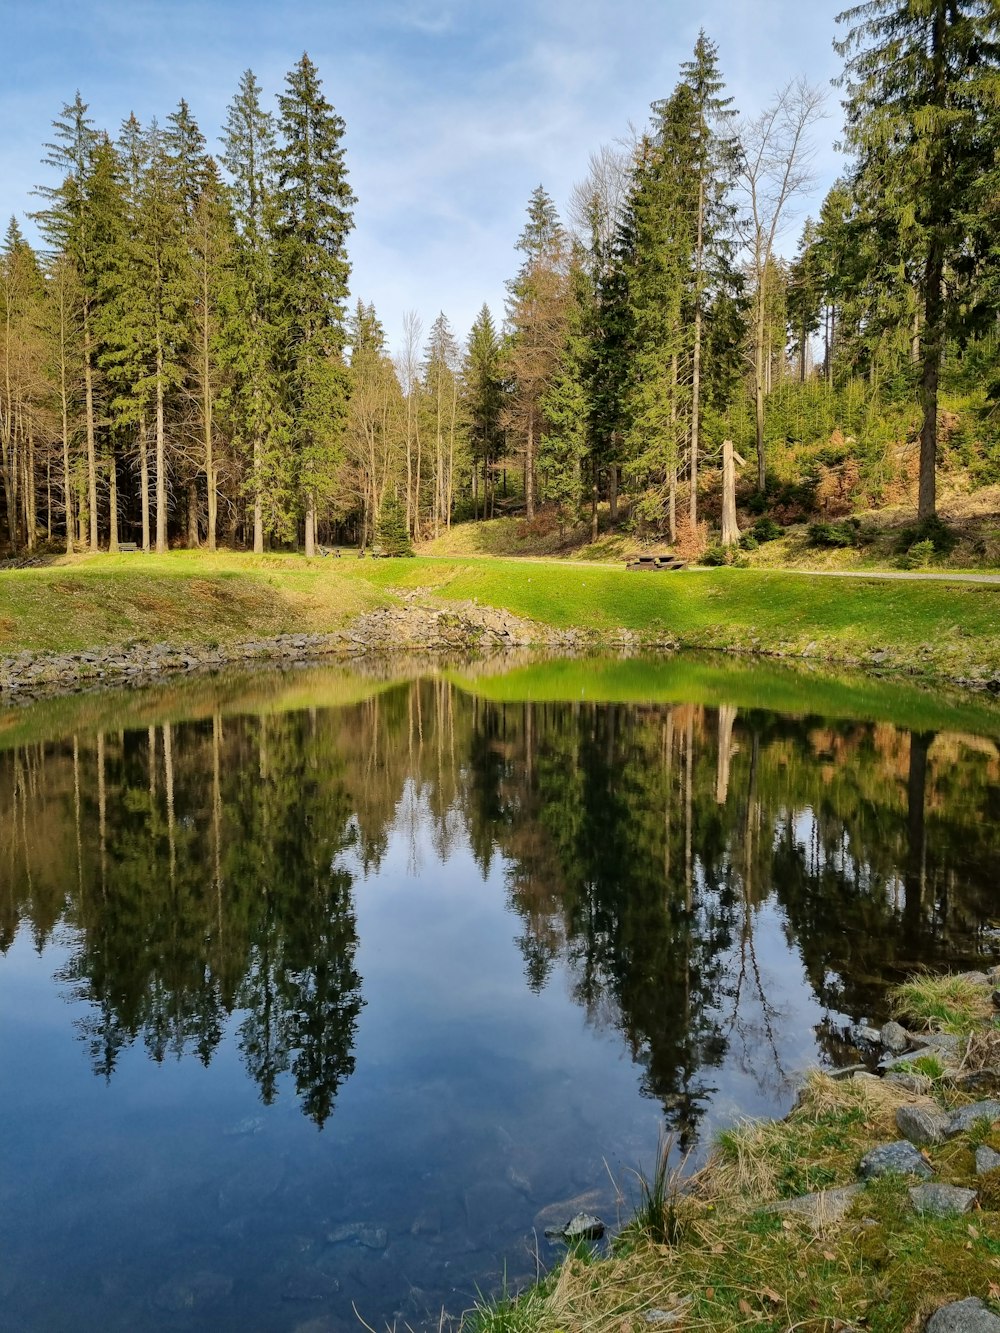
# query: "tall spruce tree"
[[482, 392], [69, 226], [253, 403], [313, 218], [536, 314], [921, 79]]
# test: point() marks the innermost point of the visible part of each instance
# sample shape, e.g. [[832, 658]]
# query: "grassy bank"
[[936, 628], [726, 1250]]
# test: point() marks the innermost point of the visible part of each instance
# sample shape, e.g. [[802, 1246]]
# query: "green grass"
[[941, 1004], [933, 628]]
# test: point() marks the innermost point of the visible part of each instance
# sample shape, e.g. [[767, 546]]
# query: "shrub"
[[842, 534], [919, 555], [748, 542], [934, 530], [766, 530]]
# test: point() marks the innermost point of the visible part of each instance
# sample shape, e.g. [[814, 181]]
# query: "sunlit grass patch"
[[941, 1004]]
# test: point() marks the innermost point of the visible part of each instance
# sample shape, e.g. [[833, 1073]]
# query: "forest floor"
[[924, 627], [972, 515]]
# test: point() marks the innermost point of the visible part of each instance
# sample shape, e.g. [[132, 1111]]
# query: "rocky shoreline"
[[407, 627]]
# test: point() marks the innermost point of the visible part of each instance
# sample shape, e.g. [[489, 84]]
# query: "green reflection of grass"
[[711, 679], [701, 678]]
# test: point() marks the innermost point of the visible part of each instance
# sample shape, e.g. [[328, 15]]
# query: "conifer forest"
[[183, 361]]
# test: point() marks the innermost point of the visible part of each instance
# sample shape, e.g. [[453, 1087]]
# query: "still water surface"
[[322, 993]]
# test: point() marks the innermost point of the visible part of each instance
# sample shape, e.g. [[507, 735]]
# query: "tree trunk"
[[933, 348], [192, 524], [529, 468], [730, 528], [144, 481], [88, 394], [206, 412], [161, 461], [613, 494], [112, 504], [759, 359], [64, 412], [310, 524]]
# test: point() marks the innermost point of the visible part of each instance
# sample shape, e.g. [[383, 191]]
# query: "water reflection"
[[203, 867], [486, 946]]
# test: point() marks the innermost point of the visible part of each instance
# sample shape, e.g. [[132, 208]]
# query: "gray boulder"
[[942, 1200], [968, 1316], [900, 1159], [923, 1125], [895, 1038], [918, 1083], [584, 1226], [986, 1160], [963, 1120]]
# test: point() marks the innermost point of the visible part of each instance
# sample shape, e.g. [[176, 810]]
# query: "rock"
[[995, 999], [930, 1042], [963, 1120], [863, 1035], [942, 1200], [358, 1233], [309, 1284], [250, 1187], [251, 1124], [894, 1037], [823, 1209], [900, 1158], [192, 1293], [986, 1160], [666, 1318], [918, 1083], [584, 1226], [975, 978], [923, 1125], [968, 1316]]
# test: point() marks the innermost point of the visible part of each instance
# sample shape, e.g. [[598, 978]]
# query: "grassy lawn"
[[192, 597]]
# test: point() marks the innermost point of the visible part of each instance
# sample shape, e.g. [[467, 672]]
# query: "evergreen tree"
[[566, 404], [313, 217], [69, 226], [483, 394], [921, 83], [440, 382], [536, 313], [248, 347]]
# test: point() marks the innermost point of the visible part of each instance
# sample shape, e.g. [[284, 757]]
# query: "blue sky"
[[454, 111]]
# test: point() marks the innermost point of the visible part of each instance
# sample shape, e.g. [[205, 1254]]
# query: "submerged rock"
[[358, 1233], [309, 1284], [195, 1292], [900, 1158]]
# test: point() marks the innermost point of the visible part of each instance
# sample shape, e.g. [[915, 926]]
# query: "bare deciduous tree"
[[775, 166]]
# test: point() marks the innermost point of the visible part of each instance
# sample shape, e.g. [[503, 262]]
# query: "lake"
[[326, 991]]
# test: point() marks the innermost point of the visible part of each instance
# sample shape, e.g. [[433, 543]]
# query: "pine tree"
[[536, 314], [313, 217], [482, 393], [921, 81], [440, 382], [68, 225], [248, 348], [566, 404]]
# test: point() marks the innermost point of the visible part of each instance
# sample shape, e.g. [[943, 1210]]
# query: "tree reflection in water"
[[204, 869]]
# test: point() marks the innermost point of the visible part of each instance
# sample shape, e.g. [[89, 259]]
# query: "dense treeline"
[[181, 362]]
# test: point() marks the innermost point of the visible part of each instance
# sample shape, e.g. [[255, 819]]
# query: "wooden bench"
[[125, 547], [656, 561]]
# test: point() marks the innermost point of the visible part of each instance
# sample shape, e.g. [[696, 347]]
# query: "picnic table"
[[656, 560]]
